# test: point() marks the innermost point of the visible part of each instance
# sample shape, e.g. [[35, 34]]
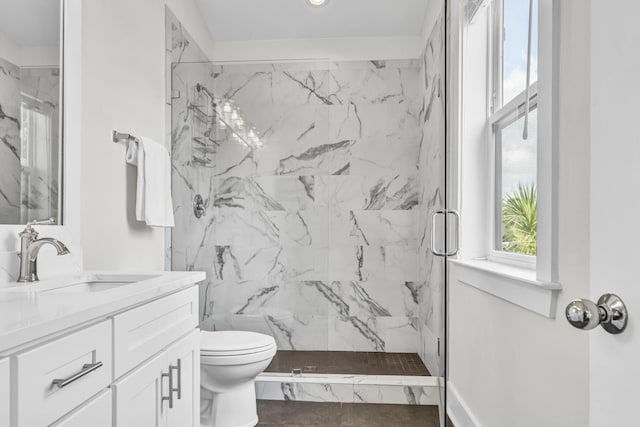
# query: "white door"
[[615, 207], [138, 396], [97, 412], [184, 357]]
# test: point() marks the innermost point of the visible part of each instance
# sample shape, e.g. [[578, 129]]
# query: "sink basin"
[[86, 283], [94, 286]]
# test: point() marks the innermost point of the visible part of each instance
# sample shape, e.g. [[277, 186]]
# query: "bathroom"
[[326, 177]]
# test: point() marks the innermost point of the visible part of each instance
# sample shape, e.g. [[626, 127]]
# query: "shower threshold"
[[348, 377], [347, 362]]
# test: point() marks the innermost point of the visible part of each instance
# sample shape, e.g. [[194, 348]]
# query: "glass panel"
[[514, 47], [253, 140], [432, 176], [516, 181]]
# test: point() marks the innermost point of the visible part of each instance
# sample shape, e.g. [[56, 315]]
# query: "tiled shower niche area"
[[313, 182]]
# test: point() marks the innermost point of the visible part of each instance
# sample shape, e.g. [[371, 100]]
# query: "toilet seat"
[[234, 343]]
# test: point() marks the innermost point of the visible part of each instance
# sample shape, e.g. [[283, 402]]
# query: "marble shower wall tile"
[[311, 234], [374, 333], [374, 192], [377, 298], [291, 332]]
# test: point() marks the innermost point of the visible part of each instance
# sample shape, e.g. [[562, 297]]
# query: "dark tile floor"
[[348, 362], [312, 414]]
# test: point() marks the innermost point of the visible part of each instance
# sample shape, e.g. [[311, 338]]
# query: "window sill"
[[516, 285]]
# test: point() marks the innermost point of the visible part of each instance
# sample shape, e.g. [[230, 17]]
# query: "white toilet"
[[230, 361]]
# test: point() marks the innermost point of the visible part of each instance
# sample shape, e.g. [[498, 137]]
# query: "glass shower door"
[[434, 217]]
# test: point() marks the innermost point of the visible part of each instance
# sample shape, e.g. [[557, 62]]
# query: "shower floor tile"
[[308, 414], [347, 362]]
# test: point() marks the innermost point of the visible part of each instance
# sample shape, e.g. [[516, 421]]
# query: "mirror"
[[30, 111]]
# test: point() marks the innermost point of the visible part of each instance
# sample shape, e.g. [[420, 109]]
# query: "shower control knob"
[[610, 312], [199, 206]]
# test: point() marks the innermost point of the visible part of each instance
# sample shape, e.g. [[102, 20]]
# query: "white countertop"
[[28, 314]]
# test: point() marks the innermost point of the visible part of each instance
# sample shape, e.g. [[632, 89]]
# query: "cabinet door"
[[95, 413], [5, 392], [184, 357], [138, 395]]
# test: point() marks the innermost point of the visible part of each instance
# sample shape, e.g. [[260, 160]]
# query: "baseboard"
[[458, 410]]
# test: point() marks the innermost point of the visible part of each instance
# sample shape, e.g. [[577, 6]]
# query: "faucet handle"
[[48, 221], [31, 234]]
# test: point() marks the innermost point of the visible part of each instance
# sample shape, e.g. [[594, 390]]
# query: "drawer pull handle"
[[86, 370]]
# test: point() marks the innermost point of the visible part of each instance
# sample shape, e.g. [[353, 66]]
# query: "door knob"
[[610, 313]]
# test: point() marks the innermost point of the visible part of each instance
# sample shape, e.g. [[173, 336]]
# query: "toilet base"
[[232, 408]]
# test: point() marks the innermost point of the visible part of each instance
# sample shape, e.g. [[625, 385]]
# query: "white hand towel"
[[153, 196]]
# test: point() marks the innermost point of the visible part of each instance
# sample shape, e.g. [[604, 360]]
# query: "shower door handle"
[[456, 222], [456, 231]]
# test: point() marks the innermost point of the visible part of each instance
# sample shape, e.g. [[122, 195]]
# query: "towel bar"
[[118, 137]]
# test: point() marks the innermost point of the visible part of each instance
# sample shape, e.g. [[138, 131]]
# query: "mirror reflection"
[[30, 111]]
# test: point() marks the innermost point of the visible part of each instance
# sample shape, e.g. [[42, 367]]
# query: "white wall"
[[28, 56], [123, 66], [9, 51], [335, 49], [510, 366], [40, 56]]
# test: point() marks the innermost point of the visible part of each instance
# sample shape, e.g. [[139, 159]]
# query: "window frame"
[[498, 113]]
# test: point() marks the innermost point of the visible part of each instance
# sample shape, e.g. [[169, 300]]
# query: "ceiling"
[[30, 23], [241, 20]]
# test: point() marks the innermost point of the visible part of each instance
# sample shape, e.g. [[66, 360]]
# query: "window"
[[514, 171], [493, 159]]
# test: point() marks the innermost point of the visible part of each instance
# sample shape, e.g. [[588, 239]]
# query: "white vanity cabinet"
[[5, 392], [137, 367]]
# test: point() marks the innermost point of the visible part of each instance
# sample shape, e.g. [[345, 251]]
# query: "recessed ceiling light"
[[318, 3]]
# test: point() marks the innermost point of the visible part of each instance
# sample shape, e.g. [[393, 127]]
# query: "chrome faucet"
[[30, 247]]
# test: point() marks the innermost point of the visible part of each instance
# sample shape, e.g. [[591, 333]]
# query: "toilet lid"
[[240, 342]]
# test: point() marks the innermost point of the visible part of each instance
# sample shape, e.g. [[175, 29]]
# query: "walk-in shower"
[[304, 189]]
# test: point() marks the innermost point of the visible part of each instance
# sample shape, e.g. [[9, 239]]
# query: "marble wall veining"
[[311, 228], [29, 180]]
